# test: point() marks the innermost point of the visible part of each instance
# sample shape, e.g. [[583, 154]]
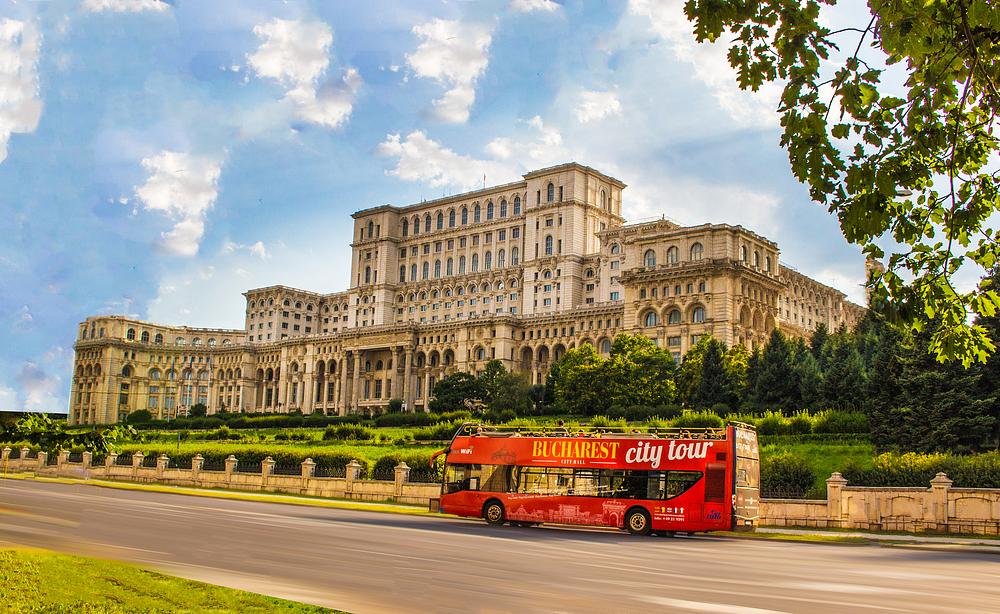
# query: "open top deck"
[[475, 429]]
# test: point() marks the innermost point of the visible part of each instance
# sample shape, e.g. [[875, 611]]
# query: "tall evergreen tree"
[[736, 363], [689, 373], [989, 381], [843, 379], [749, 400], [809, 380], [775, 387], [882, 389], [818, 340], [713, 387]]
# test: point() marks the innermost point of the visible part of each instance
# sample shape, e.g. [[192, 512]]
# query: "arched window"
[[180, 341], [697, 251], [475, 262], [488, 261], [480, 354], [756, 259], [672, 255], [501, 259], [743, 253], [465, 216], [548, 245], [503, 208], [615, 249], [368, 275], [604, 200], [450, 267], [698, 315], [416, 225], [674, 317], [440, 221], [413, 272], [158, 339], [649, 258], [513, 256], [371, 229], [437, 269], [451, 218], [461, 265], [130, 334], [550, 193], [126, 371], [406, 227], [649, 319], [476, 214], [606, 346], [547, 275], [767, 264], [145, 336], [426, 270], [402, 273], [517, 205], [211, 342], [489, 209], [427, 222], [154, 374]]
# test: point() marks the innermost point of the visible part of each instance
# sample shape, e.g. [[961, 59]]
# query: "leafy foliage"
[[912, 164], [49, 436]]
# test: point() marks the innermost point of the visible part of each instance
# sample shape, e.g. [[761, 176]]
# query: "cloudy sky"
[[157, 158]]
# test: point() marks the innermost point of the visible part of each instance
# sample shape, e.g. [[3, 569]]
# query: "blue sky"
[[159, 158]]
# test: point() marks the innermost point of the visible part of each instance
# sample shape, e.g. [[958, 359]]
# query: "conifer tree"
[[818, 340], [713, 387], [775, 387], [736, 363], [843, 379]]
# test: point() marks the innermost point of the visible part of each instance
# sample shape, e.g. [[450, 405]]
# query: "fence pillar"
[[230, 466], [162, 462], [111, 459], [23, 461], [351, 473], [402, 475], [266, 468], [62, 458], [197, 462], [308, 468], [940, 486], [88, 459], [137, 459], [834, 495], [4, 454], [43, 459]]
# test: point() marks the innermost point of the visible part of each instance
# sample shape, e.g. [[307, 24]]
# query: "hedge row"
[[912, 469], [248, 421]]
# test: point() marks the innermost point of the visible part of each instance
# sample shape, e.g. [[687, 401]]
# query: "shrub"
[[772, 423], [697, 420], [440, 432], [785, 475], [348, 432], [913, 469], [395, 406], [224, 433], [668, 412], [141, 416], [800, 424], [834, 421], [500, 417], [606, 422], [720, 409]]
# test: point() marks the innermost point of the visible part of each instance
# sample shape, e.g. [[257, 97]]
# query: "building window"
[[550, 193], [698, 316], [427, 223], [465, 216], [548, 244], [489, 210], [449, 267], [650, 319], [513, 256], [517, 205], [615, 295], [426, 270], [649, 258], [440, 221], [402, 273], [674, 317], [437, 269], [413, 272], [501, 259], [406, 227], [476, 214], [697, 251]]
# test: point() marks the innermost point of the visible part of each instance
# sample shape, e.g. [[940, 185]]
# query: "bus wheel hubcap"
[[493, 513], [638, 522]]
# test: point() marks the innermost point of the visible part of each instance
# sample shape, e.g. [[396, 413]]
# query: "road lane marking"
[[703, 606]]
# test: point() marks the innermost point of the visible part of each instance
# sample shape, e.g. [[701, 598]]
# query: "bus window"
[[487, 478], [585, 483], [545, 480], [679, 482]]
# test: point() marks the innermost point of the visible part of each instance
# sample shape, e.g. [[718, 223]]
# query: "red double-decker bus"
[[663, 481]]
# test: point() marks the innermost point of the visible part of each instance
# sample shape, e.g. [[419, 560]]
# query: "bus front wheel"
[[493, 513], [637, 522]]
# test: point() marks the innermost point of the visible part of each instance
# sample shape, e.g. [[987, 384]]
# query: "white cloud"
[[296, 54], [125, 6], [20, 106], [256, 249], [596, 105], [528, 6], [39, 391], [183, 187], [500, 148], [710, 64], [8, 399], [454, 54], [419, 158]]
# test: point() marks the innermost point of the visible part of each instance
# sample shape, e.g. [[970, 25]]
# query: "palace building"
[[519, 272]]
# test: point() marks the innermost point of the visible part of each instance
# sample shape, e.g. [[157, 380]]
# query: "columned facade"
[[519, 273]]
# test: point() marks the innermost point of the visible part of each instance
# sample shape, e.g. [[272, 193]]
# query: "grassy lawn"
[[824, 457], [362, 451], [45, 582]]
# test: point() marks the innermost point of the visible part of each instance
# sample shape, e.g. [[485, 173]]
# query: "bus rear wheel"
[[637, 522], [493, 513]]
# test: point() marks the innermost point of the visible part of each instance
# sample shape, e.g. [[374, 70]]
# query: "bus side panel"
[[746, 494]]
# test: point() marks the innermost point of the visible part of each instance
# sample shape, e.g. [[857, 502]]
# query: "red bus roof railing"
[[490, 430]]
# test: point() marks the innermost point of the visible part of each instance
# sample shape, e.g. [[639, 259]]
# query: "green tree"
[[776, 387], [713, 386], [140, 416], [753, 377], [395, 406], [689, 372], [490, 379], [513, 393], [576, 382], [737, 365], [844, 381], [882, 389], [809, 379], [818, 340], [918, 169], [451, 392], [198, 410], [51, 436]]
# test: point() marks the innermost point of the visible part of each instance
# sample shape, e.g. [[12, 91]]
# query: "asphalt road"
[[377, 562]]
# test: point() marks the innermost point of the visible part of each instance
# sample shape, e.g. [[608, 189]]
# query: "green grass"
[[824, 457], [361, 451], [49, 583]]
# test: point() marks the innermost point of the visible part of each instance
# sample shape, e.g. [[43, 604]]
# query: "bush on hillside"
[[441, 432], [834, 421], [785, 475], [914, 469], [697, 420], [348, 432]]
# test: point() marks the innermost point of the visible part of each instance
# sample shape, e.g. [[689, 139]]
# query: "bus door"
[[746, 495]]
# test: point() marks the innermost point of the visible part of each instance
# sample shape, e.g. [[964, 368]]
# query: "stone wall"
[[939, 508], [399, 490]]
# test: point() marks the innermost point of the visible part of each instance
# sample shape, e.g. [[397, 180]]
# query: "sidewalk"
[[985, 544]]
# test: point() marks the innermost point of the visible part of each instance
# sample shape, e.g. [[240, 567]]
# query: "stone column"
[[137, 463], [408, 380], [342, 392], [308, 468], [162, 462], [402, 475], [42, 459], [230, 466], [62, 458], [4, 454], [397, 384], [939, 500], [111, 459], [427, 390], [266, 468], [834, 493], [308, 388], [197, 462], [88, 459], [353, 472], [356, 383], [23, 461]]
